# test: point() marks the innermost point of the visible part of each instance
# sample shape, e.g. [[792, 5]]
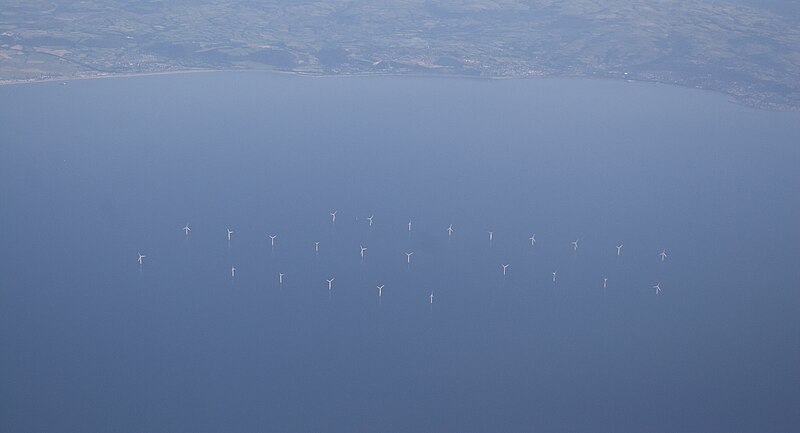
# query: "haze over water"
[[93, 172]]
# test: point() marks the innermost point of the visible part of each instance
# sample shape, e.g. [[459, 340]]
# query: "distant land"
[[750, 51]]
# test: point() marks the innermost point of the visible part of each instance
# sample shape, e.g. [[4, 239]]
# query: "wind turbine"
[[532, 239], [333, 216], [369, 218], [330, 283], [658, 288], [554, 276], [380, 290], [280, 278], [491, 236], [141, 259], [605, 282], [363, 248], [663, 255], [233, 272], [505, 267], [430, 298], [575, 245], [230, 232], [316, 247], [272, 240], [186, 229], [409, 225], [450, 230], [619, 249], [408, 257]]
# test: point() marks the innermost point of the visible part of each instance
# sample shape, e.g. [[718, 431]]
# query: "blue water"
[[94, 172]]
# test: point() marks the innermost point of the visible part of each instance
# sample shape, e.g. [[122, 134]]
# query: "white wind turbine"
[[658, 288]]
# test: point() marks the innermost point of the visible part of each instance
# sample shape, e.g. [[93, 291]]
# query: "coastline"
[[12, 82], [744, 100]]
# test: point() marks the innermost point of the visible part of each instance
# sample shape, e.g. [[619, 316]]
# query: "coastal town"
[[752, 55]]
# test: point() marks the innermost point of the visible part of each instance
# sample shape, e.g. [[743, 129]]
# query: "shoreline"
[[742, 100], [13, 82]]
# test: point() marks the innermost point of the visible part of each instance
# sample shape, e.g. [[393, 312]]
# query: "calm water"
[[93, 172]]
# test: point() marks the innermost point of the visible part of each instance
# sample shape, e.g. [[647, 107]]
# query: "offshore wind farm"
[[268, 252], [340, 244]]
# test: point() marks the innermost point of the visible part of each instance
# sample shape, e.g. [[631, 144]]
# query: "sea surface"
[[94, 172]]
